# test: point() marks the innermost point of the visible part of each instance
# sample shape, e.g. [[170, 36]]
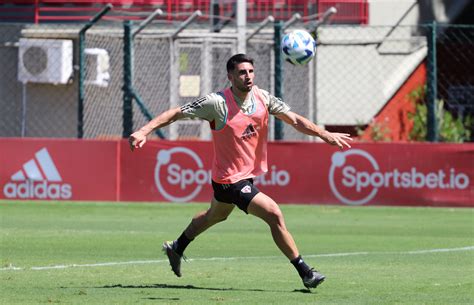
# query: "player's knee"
[[221, 218], [215, 218], [275, 217]]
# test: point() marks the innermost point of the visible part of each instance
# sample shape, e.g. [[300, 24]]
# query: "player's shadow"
[[192, 287], [161, 299], [168, 286]]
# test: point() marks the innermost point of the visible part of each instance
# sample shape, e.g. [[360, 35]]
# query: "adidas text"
[[37, 190]]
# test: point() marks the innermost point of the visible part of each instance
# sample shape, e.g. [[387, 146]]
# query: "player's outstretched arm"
[[305, 126], [138, 138]]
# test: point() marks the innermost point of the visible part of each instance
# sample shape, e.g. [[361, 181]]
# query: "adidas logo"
[[38, 179], [249, 132]]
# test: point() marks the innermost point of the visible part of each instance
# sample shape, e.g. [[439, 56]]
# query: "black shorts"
[[239, 193]]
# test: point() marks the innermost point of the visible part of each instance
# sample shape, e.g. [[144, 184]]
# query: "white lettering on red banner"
[[274, 177], [173, 176], [366, 183], [37, 179], [408, 174], [190, 178]]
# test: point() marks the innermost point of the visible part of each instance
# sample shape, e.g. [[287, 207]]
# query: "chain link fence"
[[359, 69], [103, 100], [11, 110], [38, 96], [357, 74], [455, 67]]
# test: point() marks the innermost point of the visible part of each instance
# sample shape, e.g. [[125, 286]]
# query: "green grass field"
[[110, 253]]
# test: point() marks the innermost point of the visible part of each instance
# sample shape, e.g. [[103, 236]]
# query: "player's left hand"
[[339, 139]]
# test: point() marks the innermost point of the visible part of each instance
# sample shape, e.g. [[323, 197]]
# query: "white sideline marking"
[[440, 250], [12, 267]]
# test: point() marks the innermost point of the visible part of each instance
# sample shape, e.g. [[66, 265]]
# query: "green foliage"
[[455, 129], [450, 128], [378, 131]]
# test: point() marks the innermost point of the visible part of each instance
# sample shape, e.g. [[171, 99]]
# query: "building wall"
[[28, 109], [389, 12], [359, 69]]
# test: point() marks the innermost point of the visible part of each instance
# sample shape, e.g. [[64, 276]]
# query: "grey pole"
[[241, 26]]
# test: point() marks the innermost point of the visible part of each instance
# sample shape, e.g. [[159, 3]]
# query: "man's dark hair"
[[238, 59]]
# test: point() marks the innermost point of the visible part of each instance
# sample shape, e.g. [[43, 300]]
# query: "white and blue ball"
[[298, 47]]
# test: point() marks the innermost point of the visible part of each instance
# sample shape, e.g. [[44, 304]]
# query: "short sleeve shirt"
[[213, 108]]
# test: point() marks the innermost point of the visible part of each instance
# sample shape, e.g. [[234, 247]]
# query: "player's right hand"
[[136, 140]]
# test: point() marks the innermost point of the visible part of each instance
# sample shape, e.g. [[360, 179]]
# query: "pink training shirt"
[[240, 147]]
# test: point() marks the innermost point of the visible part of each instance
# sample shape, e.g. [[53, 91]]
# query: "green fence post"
[[127, 79], [432, 134], [129, 92], [82, 59], [132, 91], [278, 75], [145, 112]]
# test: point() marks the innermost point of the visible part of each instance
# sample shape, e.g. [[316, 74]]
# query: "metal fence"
[[11, 111], [357, 71], [454, 68]]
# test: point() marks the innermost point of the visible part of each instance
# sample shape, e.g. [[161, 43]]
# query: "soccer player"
[[238, 117]]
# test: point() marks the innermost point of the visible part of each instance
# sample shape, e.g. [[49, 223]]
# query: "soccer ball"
[[298, 47]]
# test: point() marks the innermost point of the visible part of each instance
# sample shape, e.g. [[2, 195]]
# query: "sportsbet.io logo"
[[355, 178], [179, 174]]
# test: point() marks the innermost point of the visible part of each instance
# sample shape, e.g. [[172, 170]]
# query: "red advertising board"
[[49, 169], [403, 174], [367, 174], [167, 171], [310, 173]]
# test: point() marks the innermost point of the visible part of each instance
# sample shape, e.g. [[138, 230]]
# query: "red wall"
[[312, 173], [393, 118]]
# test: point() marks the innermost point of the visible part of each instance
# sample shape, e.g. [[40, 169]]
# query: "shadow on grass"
[[167, 299], [167, 286]]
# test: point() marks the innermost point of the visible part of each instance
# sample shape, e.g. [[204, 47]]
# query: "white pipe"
[[23, 110], [241, 26], [186, 23], [261, 26], [296, 17], [157, 12], [324, 19]]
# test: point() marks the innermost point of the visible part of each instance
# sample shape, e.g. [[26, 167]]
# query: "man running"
[[238, 117]]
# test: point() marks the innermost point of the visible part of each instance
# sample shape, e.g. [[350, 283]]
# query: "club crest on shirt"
[[246, 189], [249, 132]]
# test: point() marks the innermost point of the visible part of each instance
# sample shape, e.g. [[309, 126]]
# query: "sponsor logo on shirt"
[[249, 132]]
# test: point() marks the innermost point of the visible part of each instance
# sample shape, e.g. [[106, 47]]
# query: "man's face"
[[242, 76]]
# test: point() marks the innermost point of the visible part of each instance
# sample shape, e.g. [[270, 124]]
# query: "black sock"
[[300, 266], [181, 243]]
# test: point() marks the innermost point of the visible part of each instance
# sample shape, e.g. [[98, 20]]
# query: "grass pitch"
[[110, 253]]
